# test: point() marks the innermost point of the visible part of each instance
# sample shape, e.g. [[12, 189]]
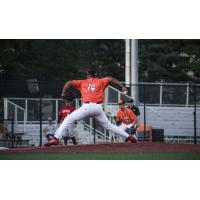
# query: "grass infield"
[[99, 156]]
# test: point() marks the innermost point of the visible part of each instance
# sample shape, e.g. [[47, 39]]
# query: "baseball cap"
[[49, 119], [91, 72], [131, 101], [121, 101]]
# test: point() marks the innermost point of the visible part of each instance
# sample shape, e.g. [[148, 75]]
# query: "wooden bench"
[[14, 142]]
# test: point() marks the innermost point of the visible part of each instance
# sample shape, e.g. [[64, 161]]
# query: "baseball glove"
[[69, 96]]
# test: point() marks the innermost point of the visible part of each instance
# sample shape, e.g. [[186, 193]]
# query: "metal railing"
[[151, 97], [15, 111], [158, 94], [53, 112]]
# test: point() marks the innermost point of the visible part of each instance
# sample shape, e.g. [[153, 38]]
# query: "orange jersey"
[[126, 116], [92, 89]]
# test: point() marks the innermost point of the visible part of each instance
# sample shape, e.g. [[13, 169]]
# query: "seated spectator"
[[49, 129]]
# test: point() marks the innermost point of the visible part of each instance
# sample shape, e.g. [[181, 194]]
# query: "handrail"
[[50, 99], [14, 104], [88, 127], [162, 83]]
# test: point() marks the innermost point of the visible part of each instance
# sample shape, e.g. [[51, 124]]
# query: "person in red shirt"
[[126, 118], [92, 92], [65, 111]]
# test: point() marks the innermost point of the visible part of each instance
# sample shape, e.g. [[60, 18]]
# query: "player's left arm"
[[114, 81]]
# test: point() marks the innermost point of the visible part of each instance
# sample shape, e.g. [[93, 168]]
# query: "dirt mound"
[[113, 147]]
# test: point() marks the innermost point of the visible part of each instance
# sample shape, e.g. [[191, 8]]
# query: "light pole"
[[131, 69]]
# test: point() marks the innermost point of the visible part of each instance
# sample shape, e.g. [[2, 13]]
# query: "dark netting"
[[198, 94], [198, 113], [11, 111], [174, 94], [173, 116], [1, 111], [112, 96], [198, 123], [151, 93], [191, 94], [33, 110], [48, 109], [33, 89]]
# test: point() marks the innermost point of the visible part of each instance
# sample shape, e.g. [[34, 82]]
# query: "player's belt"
[[93, 102]]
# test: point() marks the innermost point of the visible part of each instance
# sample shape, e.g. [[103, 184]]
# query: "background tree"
[[159, 60], [60, 59], [169, 60]]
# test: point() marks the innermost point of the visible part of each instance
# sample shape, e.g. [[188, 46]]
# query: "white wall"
[[176, 121]]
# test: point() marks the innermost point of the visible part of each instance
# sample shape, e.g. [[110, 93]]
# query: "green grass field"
[[99, 156]]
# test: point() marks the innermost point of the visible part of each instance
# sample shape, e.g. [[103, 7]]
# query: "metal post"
[[24, 121], [187, 94], [26, 114], [91, 124], [161, 93], [56, 110], [5, 108], [134, 70], [16, 113], [127, 61], [105, 135], [195, 113], [12, 131], [118, 96], [40, 112], [77, 104], [94, 130], [40, 121], [144, 112]]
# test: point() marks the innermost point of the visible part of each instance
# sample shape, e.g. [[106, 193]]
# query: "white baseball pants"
[[88, 110]]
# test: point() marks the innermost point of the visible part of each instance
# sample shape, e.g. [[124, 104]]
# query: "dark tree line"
[[169, 60], [159, 60]]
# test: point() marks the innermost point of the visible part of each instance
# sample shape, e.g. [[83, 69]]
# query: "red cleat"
[[131, 139], [54, 141]]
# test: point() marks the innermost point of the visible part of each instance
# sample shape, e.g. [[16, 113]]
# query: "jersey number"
[[91, 87]]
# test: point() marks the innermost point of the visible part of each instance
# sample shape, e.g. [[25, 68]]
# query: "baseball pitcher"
[[92, 92]]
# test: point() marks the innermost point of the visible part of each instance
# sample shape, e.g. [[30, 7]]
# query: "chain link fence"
[[168, 108], [172, 109]]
